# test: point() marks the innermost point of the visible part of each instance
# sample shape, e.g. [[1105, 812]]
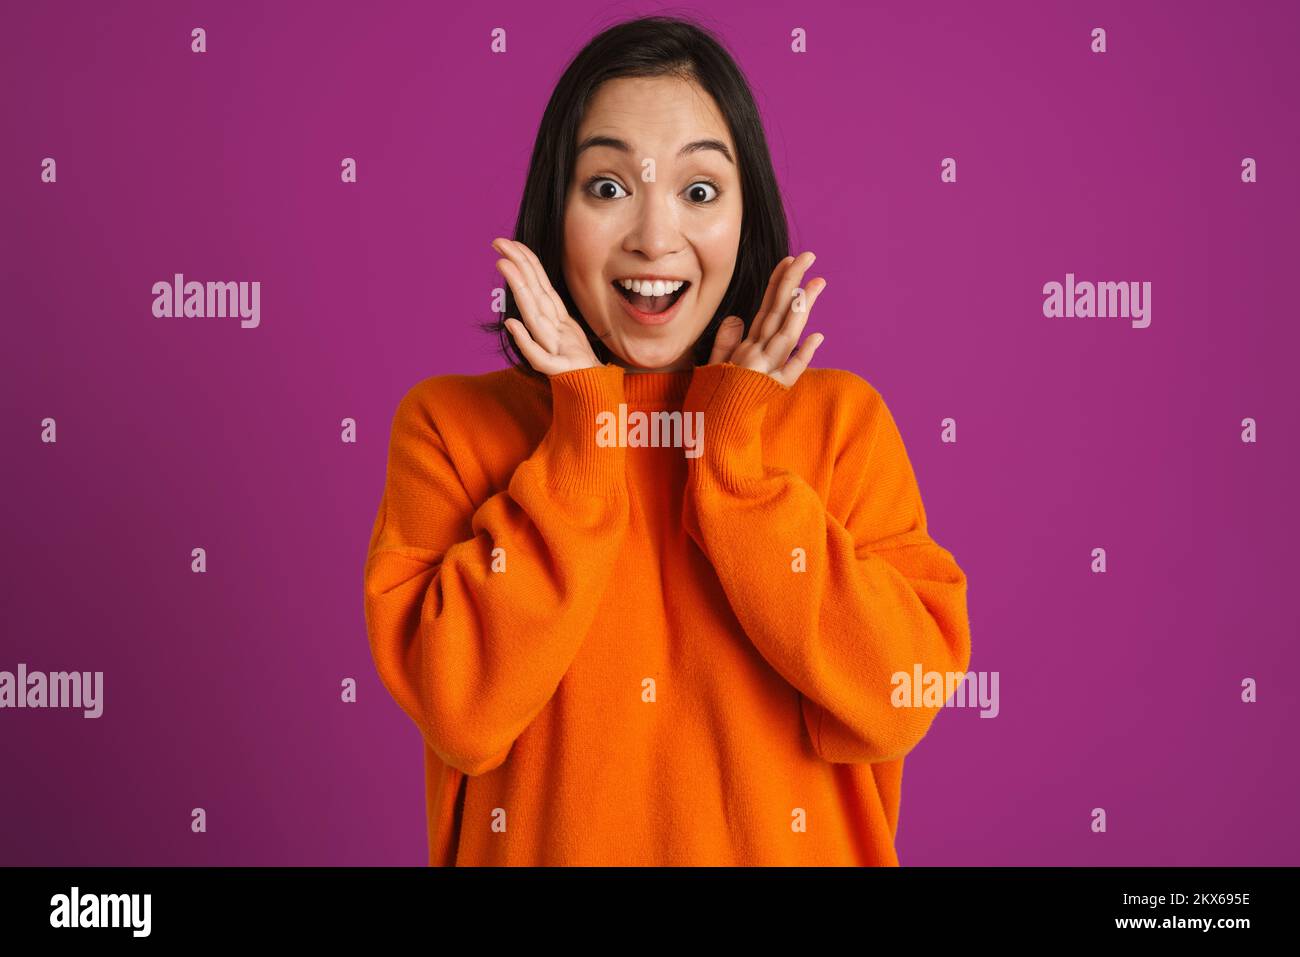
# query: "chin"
[[644, 363]]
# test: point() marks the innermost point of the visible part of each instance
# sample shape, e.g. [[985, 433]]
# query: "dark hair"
[[647, 47]]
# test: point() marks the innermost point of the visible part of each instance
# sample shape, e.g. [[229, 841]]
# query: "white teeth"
[[657, 287]]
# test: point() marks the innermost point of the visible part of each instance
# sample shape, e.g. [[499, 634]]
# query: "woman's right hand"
[[549, 338]]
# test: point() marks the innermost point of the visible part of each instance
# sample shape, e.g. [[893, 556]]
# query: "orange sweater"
[[631, 654]]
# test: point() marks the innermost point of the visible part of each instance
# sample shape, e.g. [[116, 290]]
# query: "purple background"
[[222, 690]]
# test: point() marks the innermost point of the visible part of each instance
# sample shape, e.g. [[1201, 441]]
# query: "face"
[[654, 206]]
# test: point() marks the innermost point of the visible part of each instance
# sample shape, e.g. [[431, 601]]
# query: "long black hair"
[[649, 47]]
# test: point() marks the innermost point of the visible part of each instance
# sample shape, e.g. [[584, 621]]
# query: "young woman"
[[646, 590]]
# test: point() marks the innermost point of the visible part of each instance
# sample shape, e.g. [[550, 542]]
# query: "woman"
[[624, 639]]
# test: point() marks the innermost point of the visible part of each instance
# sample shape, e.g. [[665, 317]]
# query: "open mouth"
[[651, 304]]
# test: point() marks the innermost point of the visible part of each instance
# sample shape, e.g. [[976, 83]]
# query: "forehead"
[[654, 113]]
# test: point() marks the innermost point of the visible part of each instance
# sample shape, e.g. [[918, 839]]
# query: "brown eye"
[[603, 194], [695, 188]]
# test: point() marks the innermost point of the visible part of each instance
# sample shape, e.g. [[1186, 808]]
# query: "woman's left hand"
[[776, 328]]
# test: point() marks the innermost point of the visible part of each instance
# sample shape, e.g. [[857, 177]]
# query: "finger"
[[538, 358], [768, 295], [725, 339], [514, 252], [779, 346], [543, 281], [538, 284], [814, 293], [540, 327], [791, 371], [784, 294]]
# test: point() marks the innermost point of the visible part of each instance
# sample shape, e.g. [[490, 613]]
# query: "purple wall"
[[1119, 690]]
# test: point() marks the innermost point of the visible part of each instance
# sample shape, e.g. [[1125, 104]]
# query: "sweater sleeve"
[[475, 611], [876, 597]]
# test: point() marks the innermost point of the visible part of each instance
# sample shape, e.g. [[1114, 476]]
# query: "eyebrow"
[[696, 146]]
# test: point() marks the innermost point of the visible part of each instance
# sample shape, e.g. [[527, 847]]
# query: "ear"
[[724, 341]]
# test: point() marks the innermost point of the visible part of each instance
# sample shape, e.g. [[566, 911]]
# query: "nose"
[[654, 232]]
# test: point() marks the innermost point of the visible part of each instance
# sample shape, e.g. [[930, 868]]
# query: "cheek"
[[586, 247], [716, 245]]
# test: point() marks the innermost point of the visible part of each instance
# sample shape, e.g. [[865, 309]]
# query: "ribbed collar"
[[656, 388], [639, 388]]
